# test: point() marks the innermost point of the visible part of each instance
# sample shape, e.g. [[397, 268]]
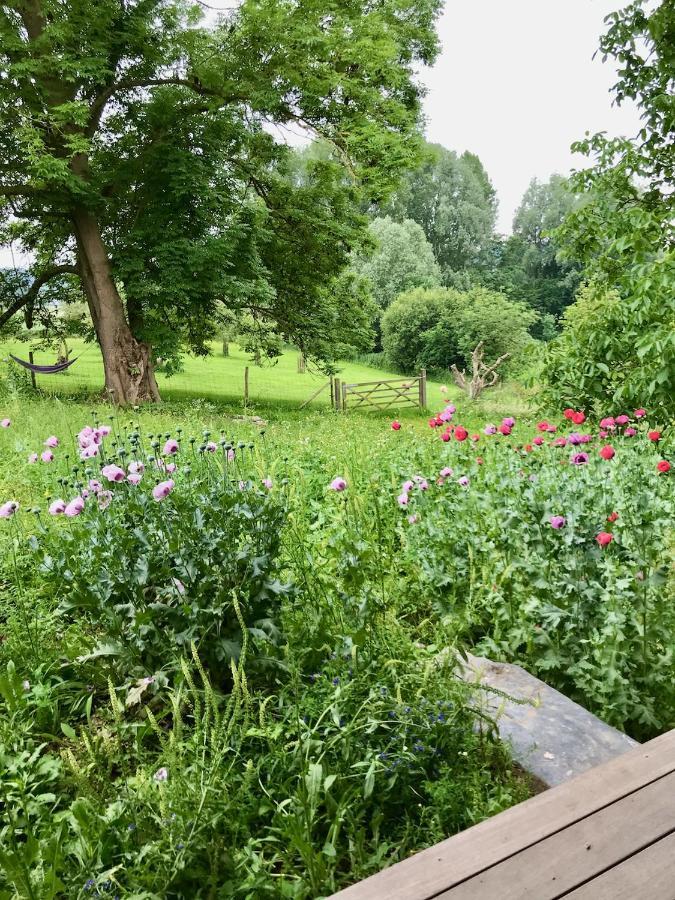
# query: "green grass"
[[276, 391]]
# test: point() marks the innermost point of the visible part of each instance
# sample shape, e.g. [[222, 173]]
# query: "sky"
[[516, 83]]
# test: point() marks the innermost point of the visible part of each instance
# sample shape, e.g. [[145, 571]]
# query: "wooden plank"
[[431, 871], [652, 869], [316, 394], [559, 863]]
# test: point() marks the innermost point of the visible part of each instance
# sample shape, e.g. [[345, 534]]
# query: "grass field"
[[273, 388]]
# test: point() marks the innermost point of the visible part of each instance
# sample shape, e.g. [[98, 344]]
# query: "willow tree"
[[141, 154]]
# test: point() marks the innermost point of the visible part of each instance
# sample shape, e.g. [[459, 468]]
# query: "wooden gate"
[[381, 394]]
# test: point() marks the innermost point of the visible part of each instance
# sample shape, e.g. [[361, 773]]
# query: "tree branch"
[[31, 294]]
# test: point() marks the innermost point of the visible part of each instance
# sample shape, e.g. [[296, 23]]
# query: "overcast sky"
[[516, 83]]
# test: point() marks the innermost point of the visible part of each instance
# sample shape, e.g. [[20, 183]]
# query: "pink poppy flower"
[[451, 409], [170, 467], [560, 442], [557, 521], [161, 774], [413, 518], [8, 509], [33, 458], [230, 455], [89, 452], [407, 486], [211, 447], [504, 429], [640, 413], [95, 486], [74, 508], [101, 432], [445, 472], [630, 432], [490, 429], [136, 468], [52, 441], [338, 484], [402, 499], [622, 420], [538, 440], [5, 423], [463, 481], [163, 489], [134, 478], [395, 425], [113, 473], [509, 421], [267, 483], [170, 448], [47, 456], [57, 508], [608, 422]]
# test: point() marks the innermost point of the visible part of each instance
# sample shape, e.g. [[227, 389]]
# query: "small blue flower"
[[336, 680]]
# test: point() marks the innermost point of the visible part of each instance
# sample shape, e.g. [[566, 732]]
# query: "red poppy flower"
[[612, 517], [663, 466], [446, 436], [538, 440], [568, 413], [528, 448], [461, 434], [432, 423], [396, 426], [578, 418], [654, 436], [604, 538], [504, 429], [607, 452]]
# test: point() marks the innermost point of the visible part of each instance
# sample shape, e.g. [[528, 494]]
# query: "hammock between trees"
[[44, 370]]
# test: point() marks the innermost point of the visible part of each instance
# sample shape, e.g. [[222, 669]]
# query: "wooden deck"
[[608, 834]]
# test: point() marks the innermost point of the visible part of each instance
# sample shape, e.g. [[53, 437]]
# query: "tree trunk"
[[129, 375], [226, 347]]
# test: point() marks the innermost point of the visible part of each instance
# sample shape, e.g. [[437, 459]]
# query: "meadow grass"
[[275, 387]]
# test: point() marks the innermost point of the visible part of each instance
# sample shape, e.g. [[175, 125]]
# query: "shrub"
[[437, 328], [154, 573]]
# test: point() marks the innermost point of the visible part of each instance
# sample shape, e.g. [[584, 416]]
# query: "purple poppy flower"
[[211, 447], [575, 439], [490, 429], [113, 473], [445, 472], [47, 456], [5, 423], [579, 459], [134, 478], [89, 452], [509, 421], [338, 484], [136, 467], [104, 499], [8, 509], [161, 774], [463, 481], [402, 499], [267, 483], [74, 508], [163, 489], [57, 508], [170, 448], [413, 518], [52, 441], [95, 486], [557, 522]]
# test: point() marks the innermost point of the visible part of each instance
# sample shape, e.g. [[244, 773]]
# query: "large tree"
[[139, 157], [618, 345], [528, 265], [453, 200]]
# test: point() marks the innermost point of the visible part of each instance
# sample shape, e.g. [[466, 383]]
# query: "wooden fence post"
[[246, 386], [344, 397], [332, 392], [423, 388], [301, 364], [336, 388], [33, 379]]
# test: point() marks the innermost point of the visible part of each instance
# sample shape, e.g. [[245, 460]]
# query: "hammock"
[[44, 370]]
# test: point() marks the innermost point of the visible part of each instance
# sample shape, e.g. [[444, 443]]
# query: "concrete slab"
[[551, 737]]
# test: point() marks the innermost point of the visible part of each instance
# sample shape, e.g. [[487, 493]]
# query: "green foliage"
[[527, 266], [437, 329], [402, 260], [154, 576], [623, 231], [153, 125], [452, 198], [597, 623]]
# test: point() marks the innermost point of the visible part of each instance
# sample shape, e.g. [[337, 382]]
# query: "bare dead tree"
[[483, 375]]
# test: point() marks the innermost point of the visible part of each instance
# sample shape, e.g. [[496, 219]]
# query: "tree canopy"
[[139, 158], [620, 343], [452, 198]]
